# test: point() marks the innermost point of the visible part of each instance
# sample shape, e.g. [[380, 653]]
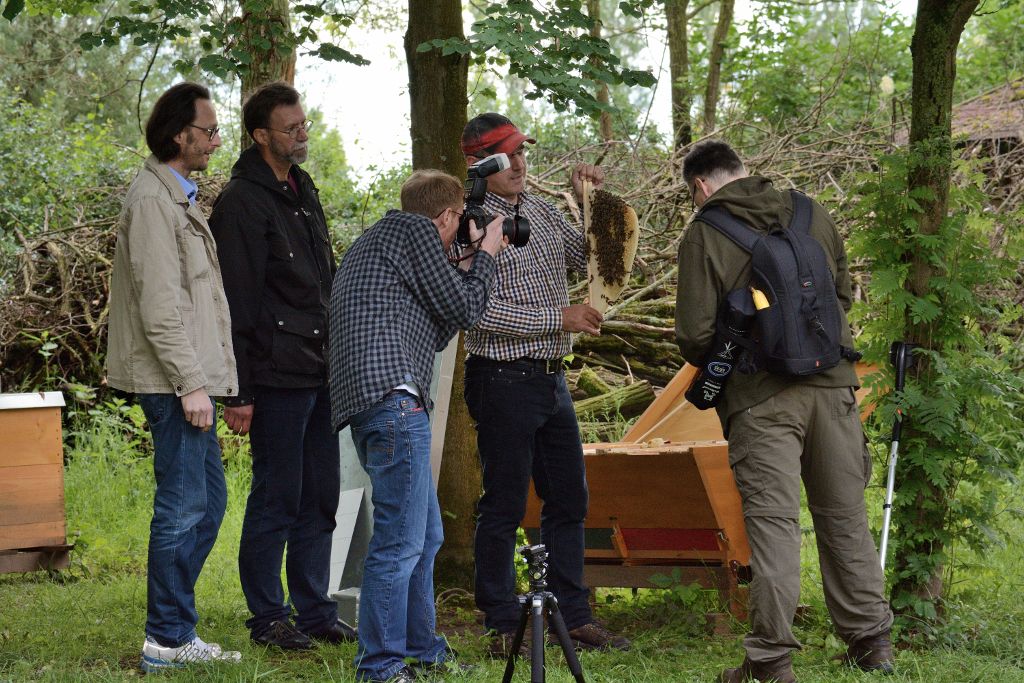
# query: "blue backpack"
[[800, 331]]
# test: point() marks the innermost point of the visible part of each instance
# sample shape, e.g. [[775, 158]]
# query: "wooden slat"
[[32, 535], [30, 436], [713, 464], [34, 560], [33, 493]]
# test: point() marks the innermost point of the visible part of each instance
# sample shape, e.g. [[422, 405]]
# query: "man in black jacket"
[[276, 257]]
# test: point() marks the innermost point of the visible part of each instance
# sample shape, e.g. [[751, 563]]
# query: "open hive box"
[[663, 502], [32, 524]]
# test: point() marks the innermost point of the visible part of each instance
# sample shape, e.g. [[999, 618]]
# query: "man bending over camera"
[[396, 301]]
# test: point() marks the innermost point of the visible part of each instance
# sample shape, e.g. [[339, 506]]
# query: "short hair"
[[428, 192], [708, 158], [262, 103], [483, 123], [173, 112]]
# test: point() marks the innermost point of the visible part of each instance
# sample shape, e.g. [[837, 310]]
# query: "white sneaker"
[[155, 657]]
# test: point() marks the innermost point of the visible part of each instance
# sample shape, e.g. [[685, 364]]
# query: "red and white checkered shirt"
[[524, 312]]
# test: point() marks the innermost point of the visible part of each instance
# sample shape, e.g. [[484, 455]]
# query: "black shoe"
[[404, 675], [283, 635], [338, 632]]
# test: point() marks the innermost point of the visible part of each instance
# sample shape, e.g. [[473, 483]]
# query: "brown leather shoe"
[[871, 654], [594, 636], [778, 670], [501, 645]]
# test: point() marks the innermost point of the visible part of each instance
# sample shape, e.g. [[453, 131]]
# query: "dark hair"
[[483, 123], [428, 192], [171, 114], [261, 104], [709, 157]]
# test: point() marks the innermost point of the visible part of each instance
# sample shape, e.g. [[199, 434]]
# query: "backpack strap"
[[801, 220], [736, 230]]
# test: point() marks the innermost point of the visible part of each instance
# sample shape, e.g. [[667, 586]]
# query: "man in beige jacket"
[[169, 343]]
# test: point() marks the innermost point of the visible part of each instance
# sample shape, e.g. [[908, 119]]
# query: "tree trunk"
[[437, 91], [679, 69], [437, 87], [933, 50], [261, 22], [605, 120], [713, 85]]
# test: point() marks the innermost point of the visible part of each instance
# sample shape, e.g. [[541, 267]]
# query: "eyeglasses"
[[209, 131], [293, 131], [457, 213]]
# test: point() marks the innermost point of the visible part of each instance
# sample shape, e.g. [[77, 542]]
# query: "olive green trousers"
[[811, 434]]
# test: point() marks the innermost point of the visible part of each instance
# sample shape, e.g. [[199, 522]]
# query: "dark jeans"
[[187, 510], [526, 426], [296, 481], [396, 604]]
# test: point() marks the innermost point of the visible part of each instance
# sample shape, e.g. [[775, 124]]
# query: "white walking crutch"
[[902, 358]]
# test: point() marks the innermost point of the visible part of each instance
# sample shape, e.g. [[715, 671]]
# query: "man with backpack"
[[790, 413]]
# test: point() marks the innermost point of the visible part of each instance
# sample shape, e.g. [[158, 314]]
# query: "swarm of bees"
[[610, 225]]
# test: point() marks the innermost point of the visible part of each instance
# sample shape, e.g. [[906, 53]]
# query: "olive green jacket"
[[711, 266], [170, 330]]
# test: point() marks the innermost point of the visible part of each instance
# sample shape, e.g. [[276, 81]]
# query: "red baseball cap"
[[504, 138]]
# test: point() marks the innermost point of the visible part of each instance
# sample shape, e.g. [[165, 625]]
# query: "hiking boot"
[[156, 657], [871, 654], [338, 632], [594, 636], [282, 634], [779, 670], [501, 644]]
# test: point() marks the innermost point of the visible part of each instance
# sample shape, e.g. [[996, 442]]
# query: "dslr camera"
[[516, 229]]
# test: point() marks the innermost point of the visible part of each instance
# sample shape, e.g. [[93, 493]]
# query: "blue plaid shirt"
[[524, 314], [396, 301]]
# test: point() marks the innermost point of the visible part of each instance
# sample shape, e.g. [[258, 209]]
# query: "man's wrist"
[[237, 401]]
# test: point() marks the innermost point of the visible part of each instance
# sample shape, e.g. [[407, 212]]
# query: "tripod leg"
[[510, 662], [537, 624], [556, 621]]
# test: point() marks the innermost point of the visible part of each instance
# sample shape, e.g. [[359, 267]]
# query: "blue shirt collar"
[[187, 185]]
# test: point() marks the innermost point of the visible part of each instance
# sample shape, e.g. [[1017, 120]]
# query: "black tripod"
[[534, 604]]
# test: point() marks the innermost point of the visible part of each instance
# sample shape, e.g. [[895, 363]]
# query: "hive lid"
[[36, 399]]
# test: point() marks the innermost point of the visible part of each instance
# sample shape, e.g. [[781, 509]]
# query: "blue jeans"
[[187, 511], [396, 603], [526, 427], [296, 482]]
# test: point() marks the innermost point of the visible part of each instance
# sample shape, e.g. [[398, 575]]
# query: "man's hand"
[[595, 174], [494, 241], [198, 409], [238, 418], [582, 318]]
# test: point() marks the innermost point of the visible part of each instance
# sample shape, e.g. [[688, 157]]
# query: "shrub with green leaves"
[[963, 441]]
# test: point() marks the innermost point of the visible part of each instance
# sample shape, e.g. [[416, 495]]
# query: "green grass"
[[86, 623]]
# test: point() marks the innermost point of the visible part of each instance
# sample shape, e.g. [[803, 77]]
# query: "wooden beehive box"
[[32, 525]]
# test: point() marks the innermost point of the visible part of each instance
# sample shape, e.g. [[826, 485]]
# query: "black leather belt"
[[546, 366]]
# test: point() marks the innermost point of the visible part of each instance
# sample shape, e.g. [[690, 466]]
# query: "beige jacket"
[[170, 330]]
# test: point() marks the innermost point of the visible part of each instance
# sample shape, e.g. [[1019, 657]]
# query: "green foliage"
[[551, 48], [53, 172], [227, 42], [789, 59], [964, 437], [991, 51]]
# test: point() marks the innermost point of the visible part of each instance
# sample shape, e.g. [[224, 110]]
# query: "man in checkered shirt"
[[396, 300], [516, 393]]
